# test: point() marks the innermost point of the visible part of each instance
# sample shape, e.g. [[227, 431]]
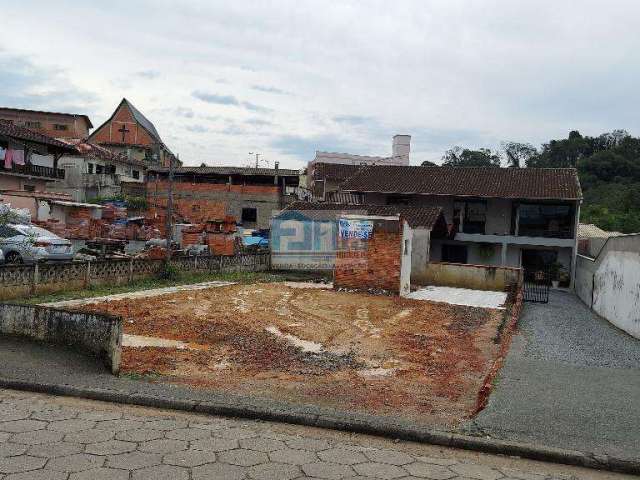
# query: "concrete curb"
[[370, 425]]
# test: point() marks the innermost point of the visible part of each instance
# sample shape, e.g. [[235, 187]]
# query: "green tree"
[[428, 163], [464, 157], [518, 154]]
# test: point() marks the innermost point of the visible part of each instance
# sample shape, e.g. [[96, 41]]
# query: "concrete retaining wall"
[[610, 283], [478, 277], [94, 334]]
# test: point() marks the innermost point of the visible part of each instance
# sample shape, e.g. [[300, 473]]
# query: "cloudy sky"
[[220, 79]]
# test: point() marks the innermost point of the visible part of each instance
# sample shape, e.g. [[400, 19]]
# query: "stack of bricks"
[[192, 236], [78, 223], [221, 243], [373, 263]]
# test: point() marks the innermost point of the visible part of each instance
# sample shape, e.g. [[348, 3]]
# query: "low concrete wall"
[[610, 283], [94, 334], [478, 277]]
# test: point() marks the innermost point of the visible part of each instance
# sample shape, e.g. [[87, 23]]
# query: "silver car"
[[30, 244]]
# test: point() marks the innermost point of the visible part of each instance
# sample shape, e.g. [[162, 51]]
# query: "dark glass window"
[[249, 215], [454, 253], [545, 220]]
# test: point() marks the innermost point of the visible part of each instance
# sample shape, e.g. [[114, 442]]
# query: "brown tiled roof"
[[425, 217], [227, 171], [490, 182], [21, 133], [334, 171]]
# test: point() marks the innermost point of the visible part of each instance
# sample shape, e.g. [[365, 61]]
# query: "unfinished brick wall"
[[374, 263]]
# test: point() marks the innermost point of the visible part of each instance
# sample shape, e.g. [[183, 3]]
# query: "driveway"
[[570, 380]]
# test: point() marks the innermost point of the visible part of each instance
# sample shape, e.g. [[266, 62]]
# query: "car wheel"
[[13, 258]]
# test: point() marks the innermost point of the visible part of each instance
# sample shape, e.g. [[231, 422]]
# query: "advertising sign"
[[349, 228]]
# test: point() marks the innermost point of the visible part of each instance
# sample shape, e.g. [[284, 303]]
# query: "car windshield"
[[33, 231]]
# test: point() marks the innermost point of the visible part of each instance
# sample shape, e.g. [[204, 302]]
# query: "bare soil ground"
[[376, 354]]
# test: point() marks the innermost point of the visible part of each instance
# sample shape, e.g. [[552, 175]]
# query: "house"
[[327, 170], [52, 124], [95, 171], [211, 193], [303, 235], [499, 216], [18, 145], [325, 180], [129, 132]]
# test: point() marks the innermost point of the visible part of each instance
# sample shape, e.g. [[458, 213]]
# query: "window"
[[31, 124], [249, 215], [90, 168], [406, 247], [29, 188], [454, 253], [136, 174], [60, 127], [475, 217], [544, 220], [99, 169]]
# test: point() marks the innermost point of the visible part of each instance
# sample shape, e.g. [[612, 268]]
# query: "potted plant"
[[554, 270]]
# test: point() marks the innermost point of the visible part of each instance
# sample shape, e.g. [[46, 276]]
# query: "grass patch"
[[179, 278]]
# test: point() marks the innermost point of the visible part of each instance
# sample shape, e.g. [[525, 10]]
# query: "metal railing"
[[35, 171]]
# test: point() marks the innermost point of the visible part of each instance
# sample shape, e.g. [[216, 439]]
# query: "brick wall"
[[199, 202], [371, 264]]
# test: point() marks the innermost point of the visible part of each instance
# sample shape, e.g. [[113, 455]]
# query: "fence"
[[479, 277], [22, 280]]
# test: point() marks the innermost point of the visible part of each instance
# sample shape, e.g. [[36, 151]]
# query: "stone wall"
[[478, 277], [23, 280], [98, 335]]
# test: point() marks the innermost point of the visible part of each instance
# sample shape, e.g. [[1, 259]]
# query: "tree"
[[428, 163], [518, 154], [459, 157]]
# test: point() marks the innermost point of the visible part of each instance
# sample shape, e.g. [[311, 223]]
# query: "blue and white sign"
[[350, 228]]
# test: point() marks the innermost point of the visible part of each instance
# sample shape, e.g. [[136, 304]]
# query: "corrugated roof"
[[24, 134], [417, 217], [334, 171], [490, 182], [222, 170], [589, 230]]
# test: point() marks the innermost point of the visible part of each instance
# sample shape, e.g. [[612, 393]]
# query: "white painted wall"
[[405, 261], [616, 293]]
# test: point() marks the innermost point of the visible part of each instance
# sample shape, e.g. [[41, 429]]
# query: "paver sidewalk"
[[47, 437]]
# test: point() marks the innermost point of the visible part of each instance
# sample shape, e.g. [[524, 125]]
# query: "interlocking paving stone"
[[236, 433], [163, 445], [139, 435], [216, 425], [214, 471], [478, 472], [51, 415], [37, 437], [187, 434], [166, 424], [38, 475], [75, 463], [517, 475], [90, 436], [304, 443], [262, 444], [119, 425], [20, 463], [111, 447], [342, 455], [19, 426], [56, 449], [4, 436], [274, 471], [11, 415], [437, 461], [385, 471], [242, 457], [71, 426], [101, 474], [12, 449], [293, 456], [189, 458], [429, 470], [133, 460], [100, 416], [331, 471], [391, 457], [161, 472], [215, 444]]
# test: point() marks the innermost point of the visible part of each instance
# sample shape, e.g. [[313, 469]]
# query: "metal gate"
[[536, 285]]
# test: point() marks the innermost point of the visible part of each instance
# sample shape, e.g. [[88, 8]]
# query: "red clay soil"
[[421, 360]]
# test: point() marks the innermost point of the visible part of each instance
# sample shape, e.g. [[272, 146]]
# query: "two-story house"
[[524, 217]]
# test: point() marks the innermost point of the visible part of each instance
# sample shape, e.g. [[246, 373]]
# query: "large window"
[[475, 217], [454, 253], [541, 220], [249, 215]]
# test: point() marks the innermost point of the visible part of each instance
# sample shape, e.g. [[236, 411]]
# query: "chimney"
[[400, 149], [277, 165]]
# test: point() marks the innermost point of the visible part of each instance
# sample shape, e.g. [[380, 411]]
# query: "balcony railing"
[[34, 171], [541, 232]]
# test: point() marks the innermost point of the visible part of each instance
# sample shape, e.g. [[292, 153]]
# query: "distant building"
[[327, 170], [129, 132], [52, 124]]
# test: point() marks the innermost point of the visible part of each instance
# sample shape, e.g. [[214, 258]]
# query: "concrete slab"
[[461, 296]]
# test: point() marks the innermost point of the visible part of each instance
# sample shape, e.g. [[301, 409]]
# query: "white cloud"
[[288, 77]]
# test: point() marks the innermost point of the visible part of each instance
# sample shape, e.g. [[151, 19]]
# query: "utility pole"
[[169, 223]]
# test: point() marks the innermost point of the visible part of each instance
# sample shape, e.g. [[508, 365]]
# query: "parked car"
[[30, 244]]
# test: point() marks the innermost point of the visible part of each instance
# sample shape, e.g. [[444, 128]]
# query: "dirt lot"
[[351, 351]]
